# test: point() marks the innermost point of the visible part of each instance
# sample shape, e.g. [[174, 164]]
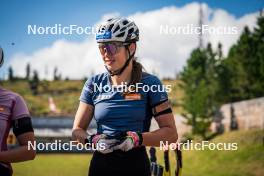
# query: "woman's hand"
[[82, 119], [79, 135], [102, 143], [132, 139]]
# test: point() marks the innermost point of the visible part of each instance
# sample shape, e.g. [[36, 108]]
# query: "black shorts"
[[119, 163], [4, 171]]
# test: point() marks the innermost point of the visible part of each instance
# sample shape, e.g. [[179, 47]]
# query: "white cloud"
[[222, 18], [75, 60], [163, 53]]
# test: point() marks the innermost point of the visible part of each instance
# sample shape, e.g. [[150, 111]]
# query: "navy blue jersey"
[[114, 112]]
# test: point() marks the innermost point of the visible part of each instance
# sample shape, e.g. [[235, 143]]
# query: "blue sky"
[[16, 15]]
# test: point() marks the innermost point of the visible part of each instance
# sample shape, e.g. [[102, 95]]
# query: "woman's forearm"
[[163, 134], [17, 155]]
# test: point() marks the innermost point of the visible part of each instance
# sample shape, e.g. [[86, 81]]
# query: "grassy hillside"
[[66, 95], [248, 160]]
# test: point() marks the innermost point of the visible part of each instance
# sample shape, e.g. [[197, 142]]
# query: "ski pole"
[[167, 163]]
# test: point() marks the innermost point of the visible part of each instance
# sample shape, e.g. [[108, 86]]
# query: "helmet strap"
[[120, 71]]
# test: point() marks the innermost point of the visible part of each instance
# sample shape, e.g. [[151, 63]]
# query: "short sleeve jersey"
[[113, 112], [12, 107]]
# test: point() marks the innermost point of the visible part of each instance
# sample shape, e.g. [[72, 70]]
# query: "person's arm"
[[23, 130], [21, 153], [165, 119], [162, 112], [82, 120], [167, 131]]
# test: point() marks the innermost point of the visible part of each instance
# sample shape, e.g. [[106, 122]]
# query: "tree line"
[[33, 78], [209, 79]]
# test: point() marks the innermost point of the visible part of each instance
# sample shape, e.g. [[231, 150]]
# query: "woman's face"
[[114, 55]]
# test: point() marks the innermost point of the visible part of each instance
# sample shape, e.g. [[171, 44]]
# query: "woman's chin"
[[111, 67]]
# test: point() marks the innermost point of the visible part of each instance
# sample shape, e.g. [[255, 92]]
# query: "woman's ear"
[[132, 47]]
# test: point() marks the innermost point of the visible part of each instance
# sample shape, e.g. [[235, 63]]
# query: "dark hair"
[[136, 70], [136, 73]]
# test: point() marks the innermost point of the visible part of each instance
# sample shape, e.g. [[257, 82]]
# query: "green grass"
[[54, 165], [248, 160]]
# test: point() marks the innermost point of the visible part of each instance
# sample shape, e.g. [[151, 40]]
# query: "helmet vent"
[[123, 28], [121, 34], [110, 27], [130, 31], [116, 29], [125, 22]]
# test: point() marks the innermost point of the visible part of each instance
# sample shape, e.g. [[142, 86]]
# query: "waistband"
[[134, 151]]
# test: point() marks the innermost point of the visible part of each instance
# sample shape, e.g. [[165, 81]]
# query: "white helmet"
[[118, 30]]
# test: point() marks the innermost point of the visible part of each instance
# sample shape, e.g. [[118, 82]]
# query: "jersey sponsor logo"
[[133, 96], [104, 96]]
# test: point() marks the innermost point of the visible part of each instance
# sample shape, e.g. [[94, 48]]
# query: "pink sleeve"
[[19, 108]]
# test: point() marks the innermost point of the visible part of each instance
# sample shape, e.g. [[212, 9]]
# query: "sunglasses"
[[110, 48]]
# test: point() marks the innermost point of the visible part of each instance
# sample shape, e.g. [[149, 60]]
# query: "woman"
[[123, 118], [14, 114]]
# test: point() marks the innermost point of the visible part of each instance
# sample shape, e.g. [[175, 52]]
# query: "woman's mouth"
[[109, 61]]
